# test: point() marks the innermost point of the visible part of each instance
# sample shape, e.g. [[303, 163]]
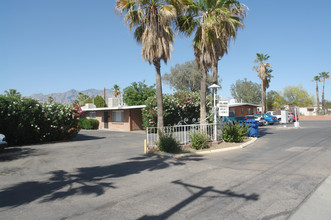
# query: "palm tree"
[[116, 90], [323, 76], [214, 24], [13, 93], [317, 79], [152, 21], [264, 75]]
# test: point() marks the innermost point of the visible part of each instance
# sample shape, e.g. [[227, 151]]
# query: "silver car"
[[3, 142]]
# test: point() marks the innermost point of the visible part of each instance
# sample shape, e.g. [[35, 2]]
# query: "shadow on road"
[[84, 137], [14, 153], [194, 196], [263, 131], [86, 180]]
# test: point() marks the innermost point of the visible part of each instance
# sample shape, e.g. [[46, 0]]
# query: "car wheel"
[[266, 123]]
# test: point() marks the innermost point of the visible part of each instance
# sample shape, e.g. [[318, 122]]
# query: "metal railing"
[[181, 133]]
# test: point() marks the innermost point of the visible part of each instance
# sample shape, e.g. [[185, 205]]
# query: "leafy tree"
[[264, 74], [298, 96], [317, 79], [323, 76], [50, 99], [186, 77], [138, 93], [152, 21], [13, 93], [214, 24], [99, 102], [246, 91], [272, 99]]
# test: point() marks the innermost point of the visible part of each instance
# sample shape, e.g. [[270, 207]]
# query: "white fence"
[[182, 133]]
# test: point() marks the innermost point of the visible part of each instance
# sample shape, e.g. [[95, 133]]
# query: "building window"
[[93, 115], [232, 112], [242, 110], [249, 111], [254, 111], [118, 116]]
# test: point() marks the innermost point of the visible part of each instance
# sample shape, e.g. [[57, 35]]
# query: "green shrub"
[[234, 132], [199, 140], [88, 124], [26, 121], [167, 143]]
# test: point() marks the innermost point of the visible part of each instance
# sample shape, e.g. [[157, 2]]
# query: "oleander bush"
[[178, 108], [26, 121]]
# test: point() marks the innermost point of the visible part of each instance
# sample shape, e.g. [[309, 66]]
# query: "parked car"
[[3, 142], [268, 118], [259, 119], [293, 118], [274, 113]]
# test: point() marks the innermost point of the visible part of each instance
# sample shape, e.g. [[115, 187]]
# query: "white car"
[[3, 142]]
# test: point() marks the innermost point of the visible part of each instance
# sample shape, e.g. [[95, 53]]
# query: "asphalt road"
[[104, 175]]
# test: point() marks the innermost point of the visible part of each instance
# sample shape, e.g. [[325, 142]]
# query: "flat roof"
[[240, 104], [114, 108]]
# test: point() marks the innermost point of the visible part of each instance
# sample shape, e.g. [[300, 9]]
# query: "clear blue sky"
[[49, 46]]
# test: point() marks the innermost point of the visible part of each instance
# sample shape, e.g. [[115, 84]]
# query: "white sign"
[[223, 107]]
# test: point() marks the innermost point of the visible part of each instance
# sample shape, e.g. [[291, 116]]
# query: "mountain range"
[[71, 95]]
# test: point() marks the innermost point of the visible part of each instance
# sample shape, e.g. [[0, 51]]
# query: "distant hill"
[[69, 96]]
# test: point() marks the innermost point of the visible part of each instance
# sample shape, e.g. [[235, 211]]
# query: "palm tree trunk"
[[159, 98], [263, 96], [203, 93], [323, 96], [317, 98], [215, 77]]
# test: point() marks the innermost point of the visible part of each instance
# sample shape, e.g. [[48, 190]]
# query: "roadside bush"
[[88, 124], [167, 143], [178, 108], [234, 132], [26, 121], [199, 140]]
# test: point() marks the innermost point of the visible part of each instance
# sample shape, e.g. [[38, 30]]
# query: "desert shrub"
[[88, 124], [167, 143], [199, 140], [234, 132], [26, 121]]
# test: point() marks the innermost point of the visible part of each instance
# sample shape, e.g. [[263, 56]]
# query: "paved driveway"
[[104, 175]]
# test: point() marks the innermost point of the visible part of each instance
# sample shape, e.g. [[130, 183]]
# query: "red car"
[[293, 116]]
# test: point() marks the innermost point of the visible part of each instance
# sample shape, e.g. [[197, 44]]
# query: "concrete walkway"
[[317, 205]]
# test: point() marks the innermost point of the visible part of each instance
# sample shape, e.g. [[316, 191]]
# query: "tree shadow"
[[14, 153], [84, 137], [84, 181], [200, 193], [263, 131]]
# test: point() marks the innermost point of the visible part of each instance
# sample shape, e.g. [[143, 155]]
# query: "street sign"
[[223, 107]]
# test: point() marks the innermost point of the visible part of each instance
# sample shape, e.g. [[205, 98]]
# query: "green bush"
[[167, 143], [234, 132], [199, 140], [180, 107], [88, 124], [26, 121]]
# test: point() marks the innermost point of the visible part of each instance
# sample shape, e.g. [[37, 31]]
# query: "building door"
[[105, 116]]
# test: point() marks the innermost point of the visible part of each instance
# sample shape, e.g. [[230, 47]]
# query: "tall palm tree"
[[264, 75], [323, 76], [317, 79], [214, 23], [13, 93], [151, 21], [116, 90]]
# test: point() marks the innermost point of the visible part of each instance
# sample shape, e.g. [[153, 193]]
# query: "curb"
[[161, 153]]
